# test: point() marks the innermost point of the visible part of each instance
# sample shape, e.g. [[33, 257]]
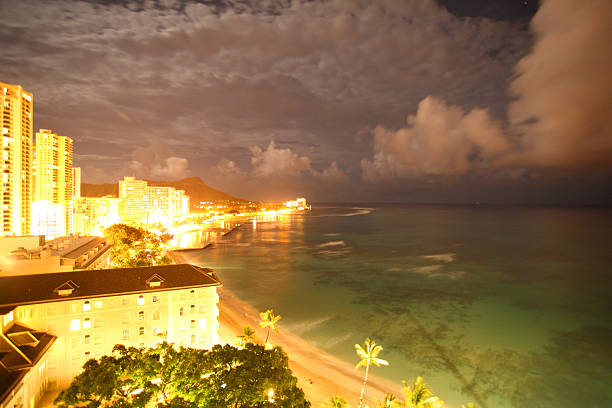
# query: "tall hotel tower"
[[134, 201], [52, 208], [17, 116]]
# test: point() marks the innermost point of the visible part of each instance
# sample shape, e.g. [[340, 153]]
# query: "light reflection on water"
[[516, 317]]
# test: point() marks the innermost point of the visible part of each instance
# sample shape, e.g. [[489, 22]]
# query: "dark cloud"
[[217, 81]]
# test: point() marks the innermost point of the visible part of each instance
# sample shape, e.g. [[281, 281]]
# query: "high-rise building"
[[161, 205], [16, 111], [53, 167], [76, 182], [93, 214], [134, 201], [53, 180]]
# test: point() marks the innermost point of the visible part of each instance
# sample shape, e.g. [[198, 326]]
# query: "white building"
[[53, 323]]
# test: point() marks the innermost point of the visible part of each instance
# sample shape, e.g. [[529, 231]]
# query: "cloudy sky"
[[399, 100]]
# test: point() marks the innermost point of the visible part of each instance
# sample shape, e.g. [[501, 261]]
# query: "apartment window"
[[98, 304], [98, 322], [141, 331], [86, 306], [87, 339], [192, 324], [181, 311], [140, 300], [32, 313], [182, 295], [125, 302], [193, 339], [156, 315], [202, 338], [87, 323], [202, 323], [141, 315], [202, 309], [87, 355], [75, 324], [155, 299], [192, 293], [192, 309], [125, 335], [74, 307], [98, 339]]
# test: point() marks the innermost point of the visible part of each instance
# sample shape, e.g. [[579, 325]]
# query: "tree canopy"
[[133, 246], [166, 377]]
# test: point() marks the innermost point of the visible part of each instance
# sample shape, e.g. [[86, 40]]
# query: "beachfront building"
[[167, 205], [16, 113], [74, 316], [93, 214], [134, 201]]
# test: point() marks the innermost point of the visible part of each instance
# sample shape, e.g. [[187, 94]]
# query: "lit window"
[[98, 339], [202, 309], [141, 315], [192, 309], [192, 293], [202, 338], [192, 324], [156, 315], [75, 324], [202, 323], [87, 339], [125, 334], [125, 302], [155, 299], [141, 331], [193, 339], [87, 355], [141, 300], [98, 304], [181, 311], [98, 322], [87, 323], [86, 306]]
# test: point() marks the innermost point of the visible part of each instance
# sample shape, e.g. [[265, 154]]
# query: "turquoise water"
[[501, 306]]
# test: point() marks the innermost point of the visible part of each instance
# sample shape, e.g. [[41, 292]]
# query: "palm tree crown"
[[420, 395], [269, 319]]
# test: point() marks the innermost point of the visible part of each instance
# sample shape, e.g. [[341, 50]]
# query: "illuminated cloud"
[[173, 168], [439, 140], [564, 87], [277, 161]]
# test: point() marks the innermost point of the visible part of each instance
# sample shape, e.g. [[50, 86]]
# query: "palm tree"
[[420, 395], [368, 355], [269, 319], [337, 402], [388, 402], [247, 336]]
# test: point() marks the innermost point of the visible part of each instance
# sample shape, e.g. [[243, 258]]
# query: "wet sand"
[[320, 375]]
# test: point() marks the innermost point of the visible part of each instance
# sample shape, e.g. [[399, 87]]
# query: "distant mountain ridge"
[[195, 188]]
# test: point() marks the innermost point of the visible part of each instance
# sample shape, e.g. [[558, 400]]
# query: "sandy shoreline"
[[319, 374]]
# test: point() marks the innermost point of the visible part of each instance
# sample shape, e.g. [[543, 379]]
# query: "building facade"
[[87, 313], [93, 214], [16, 111], [134, 201], [76, 182]]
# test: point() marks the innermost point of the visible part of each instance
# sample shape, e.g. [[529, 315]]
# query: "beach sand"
[[319, 374]]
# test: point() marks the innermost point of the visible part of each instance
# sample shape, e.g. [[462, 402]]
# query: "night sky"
[[449, 101]]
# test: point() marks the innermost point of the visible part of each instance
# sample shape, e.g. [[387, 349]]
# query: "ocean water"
[[500, 306]]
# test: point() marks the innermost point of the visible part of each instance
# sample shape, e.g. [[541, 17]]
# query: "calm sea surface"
[[500, 306]]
